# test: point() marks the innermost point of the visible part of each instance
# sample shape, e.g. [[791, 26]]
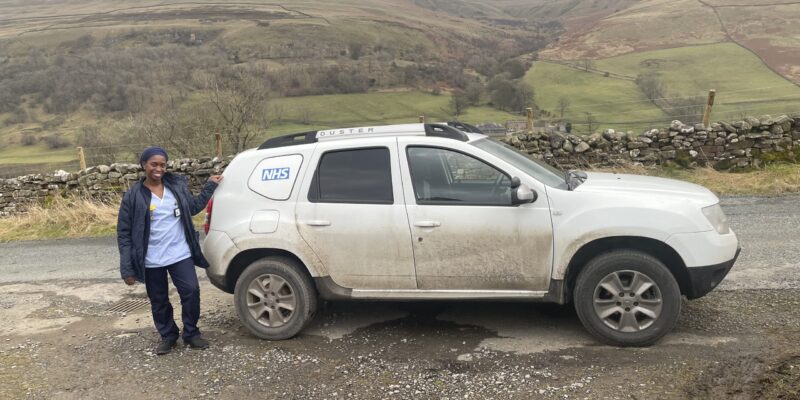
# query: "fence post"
[[81, 158], [709, 104], [421, 119], [218, 144], [529, 122]]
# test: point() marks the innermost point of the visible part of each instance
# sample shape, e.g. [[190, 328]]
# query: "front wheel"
[[627, 298], [274, 298]]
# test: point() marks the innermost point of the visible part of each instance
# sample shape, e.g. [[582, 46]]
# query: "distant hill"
[[767, 28], [75, 72], [572, 13], [102, 73]]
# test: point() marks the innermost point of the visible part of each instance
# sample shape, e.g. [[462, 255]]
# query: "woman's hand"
[[130, 281], [215, 178]]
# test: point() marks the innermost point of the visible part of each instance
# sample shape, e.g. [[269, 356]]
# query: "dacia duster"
[[429, 211]]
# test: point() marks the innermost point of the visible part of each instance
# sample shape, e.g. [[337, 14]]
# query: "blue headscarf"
[[152, 151]]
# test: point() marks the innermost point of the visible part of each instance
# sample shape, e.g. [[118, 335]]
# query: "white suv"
[[427, 211]]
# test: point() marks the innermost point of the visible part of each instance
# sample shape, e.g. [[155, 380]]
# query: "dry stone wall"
[[102, 182], [724, 145]]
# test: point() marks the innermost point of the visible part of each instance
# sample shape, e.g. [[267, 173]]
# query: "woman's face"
[[155, 167]]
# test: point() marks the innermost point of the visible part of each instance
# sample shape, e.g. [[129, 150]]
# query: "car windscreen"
[[541, 171]]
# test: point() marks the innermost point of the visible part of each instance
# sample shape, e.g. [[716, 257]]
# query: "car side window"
[[362, 176], [446, 177]]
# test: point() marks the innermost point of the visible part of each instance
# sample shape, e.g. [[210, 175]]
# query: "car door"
[[351, 212], [466, 233]]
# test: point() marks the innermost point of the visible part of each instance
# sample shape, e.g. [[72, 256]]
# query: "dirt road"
[[58, 341]]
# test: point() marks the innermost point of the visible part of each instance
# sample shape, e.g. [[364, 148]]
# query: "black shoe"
[[196, 342], [165, 346]]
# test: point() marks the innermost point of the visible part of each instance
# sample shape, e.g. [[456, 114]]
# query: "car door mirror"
[[522, 194], [515, 182]]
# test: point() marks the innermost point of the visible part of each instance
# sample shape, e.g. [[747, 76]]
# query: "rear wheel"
[[627, 298], [274, 298]]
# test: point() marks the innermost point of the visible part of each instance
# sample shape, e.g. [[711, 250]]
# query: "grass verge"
[[775, 179], [61, 218], [64, 218]]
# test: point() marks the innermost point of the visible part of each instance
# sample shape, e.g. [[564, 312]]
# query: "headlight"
[[717, 219]]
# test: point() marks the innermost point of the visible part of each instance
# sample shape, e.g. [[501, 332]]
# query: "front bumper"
[[704, 279]]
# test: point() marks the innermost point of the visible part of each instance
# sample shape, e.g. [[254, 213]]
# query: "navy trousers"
[[184, 278]]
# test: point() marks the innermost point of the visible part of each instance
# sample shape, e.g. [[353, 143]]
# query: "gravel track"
[[737, 342]]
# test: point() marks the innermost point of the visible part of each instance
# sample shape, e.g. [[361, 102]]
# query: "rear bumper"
[[218, 250], [218, 281], [704, 279]]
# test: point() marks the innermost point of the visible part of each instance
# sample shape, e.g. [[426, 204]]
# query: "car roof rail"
[[434, 130], [463, 126], [290, 140], [444, 131]]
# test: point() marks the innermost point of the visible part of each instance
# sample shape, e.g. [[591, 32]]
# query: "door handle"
[[318, 222], [427, 224]]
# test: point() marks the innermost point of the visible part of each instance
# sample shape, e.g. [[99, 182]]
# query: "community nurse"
[[156, 237]]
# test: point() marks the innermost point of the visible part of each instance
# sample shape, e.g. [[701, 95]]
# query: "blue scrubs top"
[[167, 243]]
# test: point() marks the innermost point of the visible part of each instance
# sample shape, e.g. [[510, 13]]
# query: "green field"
[[744, 85], [609, 100], [331, 111]]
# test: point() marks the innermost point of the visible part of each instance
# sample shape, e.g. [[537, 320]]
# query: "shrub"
[[28, 140], [56, 141]]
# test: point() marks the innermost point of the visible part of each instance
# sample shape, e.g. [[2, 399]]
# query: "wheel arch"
[[656, 248], [242, 260]]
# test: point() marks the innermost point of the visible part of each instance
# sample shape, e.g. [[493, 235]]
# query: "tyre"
[[275, 298], [627, 298]]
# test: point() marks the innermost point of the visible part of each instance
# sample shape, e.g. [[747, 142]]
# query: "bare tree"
[[473, 92], [651, 85], [355, 49], [458, 103], [240, 101], [563, 106], [186, 130], [587, 64], [306, 116]]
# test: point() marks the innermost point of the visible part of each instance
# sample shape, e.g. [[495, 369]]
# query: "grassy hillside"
[[743, 83], [771, 31], [374, 108], [571, 13], [107, 66], [609, 100], [647, 25], [744, 86], [767, 28]]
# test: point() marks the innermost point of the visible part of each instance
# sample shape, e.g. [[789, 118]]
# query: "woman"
[[156, 236]]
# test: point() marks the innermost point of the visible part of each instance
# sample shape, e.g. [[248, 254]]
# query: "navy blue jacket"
[[133, 223]]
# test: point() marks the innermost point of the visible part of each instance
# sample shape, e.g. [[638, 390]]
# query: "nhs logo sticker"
[[275, 177], [274, 174]]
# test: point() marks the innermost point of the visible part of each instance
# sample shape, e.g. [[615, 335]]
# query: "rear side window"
[[361, 176]]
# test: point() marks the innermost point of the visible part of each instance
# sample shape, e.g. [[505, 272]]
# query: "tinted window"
[[353, 176], [443, 176]]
